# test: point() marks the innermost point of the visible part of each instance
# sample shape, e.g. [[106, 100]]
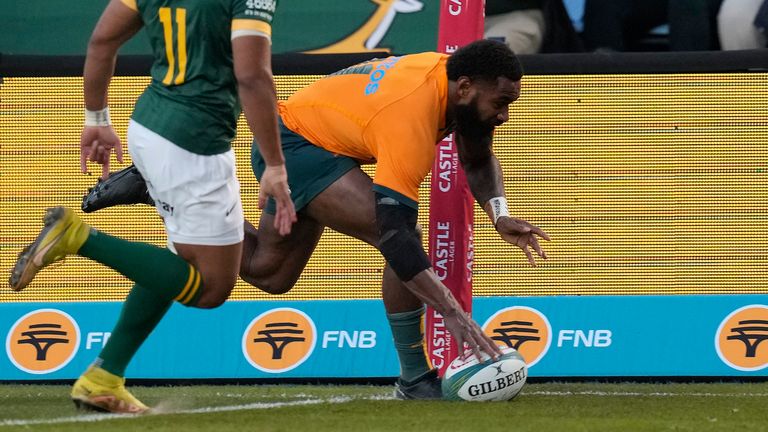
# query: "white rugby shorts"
[[198, 196]]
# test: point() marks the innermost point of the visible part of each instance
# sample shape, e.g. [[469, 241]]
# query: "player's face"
[[493, 100], [487, 107]]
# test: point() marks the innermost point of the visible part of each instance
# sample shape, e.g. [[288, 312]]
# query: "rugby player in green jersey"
[[210, 58]]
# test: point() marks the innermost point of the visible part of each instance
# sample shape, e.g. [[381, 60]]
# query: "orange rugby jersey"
[[386, 111]]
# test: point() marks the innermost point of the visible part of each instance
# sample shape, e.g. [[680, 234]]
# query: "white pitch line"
[[659, 394], [92, 418]]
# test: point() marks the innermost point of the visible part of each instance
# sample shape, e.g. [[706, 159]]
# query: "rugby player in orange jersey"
[[392, 112]]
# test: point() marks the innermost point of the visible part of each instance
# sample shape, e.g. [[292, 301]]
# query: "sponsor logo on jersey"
[[264, 9], [378, 74]]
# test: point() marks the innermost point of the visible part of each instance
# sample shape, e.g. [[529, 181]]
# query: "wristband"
[[498, 208], [97, 118]]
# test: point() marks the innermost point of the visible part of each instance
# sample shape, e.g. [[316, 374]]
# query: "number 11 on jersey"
[[181, 43]]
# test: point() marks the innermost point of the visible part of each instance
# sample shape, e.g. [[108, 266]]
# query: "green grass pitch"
[[540, 407]]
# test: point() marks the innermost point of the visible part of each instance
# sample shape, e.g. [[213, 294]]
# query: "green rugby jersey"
[[192, 100]]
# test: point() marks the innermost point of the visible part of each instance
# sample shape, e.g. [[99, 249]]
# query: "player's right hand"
[[96, 145], [469, 336], [274, 183], [522, 234]]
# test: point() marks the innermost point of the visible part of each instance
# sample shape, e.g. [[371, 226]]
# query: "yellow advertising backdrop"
[[648, 184]]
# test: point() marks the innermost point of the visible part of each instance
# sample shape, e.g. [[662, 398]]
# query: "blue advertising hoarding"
[[594, 336]]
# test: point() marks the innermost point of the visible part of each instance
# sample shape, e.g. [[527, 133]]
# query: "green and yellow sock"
[[141, 313], [161, 278], [408, 332], [159, 270]]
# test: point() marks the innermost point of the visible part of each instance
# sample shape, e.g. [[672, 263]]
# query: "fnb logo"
[[742, 338], [279, 340], [522, 328], [43, 341]]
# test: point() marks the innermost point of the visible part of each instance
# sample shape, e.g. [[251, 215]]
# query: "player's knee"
[[271, 285], [277, 287], [215, 294], [374, 238], [211, 300]]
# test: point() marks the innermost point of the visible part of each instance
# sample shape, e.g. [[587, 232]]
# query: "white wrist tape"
[[97, 118], [498, 208]]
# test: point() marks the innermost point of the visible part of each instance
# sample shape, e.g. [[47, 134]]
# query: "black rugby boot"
[[126, 186], [424, 387]]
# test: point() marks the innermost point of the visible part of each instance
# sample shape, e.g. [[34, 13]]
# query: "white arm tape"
[[97, 118], [498, 208], [238, 33]]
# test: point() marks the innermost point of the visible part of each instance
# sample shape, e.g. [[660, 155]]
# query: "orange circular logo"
[[742, 338], [279, 340], [43, 341], [522, 328]]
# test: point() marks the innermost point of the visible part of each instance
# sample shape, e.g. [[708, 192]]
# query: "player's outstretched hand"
[[523, 235], [274, 183], [96, 145], [469, 336]]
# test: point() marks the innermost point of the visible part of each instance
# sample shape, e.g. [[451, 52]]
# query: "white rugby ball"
[[501, 380]]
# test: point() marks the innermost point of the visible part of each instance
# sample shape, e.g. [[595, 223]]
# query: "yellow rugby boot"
[[64, 233], [99, 390]]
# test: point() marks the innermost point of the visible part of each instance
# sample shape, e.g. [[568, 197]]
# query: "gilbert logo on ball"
[[468, 379], [43, 341], [279, 340]]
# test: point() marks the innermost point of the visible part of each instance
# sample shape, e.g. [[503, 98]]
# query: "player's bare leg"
[[407, 311], [218, 267], [102, 386], [348, 206], [273, 263]]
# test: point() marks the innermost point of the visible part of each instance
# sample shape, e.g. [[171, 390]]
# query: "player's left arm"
[[256, 88], [486, 181], [252, 57], [117, 24]]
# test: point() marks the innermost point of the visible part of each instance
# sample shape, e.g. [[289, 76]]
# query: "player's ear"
[[464, 87]]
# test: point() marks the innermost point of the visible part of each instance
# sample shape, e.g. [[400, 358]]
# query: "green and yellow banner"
[[58, 27]]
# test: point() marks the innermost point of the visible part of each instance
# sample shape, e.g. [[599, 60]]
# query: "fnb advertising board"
[[558, 337], [653, 187]]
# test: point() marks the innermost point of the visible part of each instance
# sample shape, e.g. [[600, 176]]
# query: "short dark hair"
[[485, 60]]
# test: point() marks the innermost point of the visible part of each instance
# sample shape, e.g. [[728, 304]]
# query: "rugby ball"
[[468, 379]]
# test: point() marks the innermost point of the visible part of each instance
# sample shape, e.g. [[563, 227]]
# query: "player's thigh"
[[273, 263], [330, 188], [348, 206], [198, 197], [277, 254]]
